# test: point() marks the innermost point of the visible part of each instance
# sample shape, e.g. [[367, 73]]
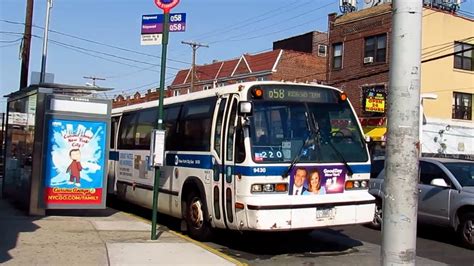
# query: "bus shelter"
[[56, 148]]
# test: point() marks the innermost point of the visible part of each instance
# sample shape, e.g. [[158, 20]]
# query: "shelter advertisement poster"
[[75, 162], [317, 180]]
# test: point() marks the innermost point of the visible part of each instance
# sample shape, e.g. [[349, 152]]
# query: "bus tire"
[[196, 212]]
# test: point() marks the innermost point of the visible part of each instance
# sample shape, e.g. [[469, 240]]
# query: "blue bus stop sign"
[[166, 5]]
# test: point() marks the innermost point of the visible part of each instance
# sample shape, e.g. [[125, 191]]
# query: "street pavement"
[[95, 237], [115, 237]]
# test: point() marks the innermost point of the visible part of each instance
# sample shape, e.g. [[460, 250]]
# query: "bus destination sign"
[[299, 94]]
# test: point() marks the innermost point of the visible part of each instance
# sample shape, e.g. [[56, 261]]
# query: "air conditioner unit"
[[368, 60]]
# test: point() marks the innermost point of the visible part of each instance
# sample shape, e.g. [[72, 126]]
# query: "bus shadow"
[[264, 245]]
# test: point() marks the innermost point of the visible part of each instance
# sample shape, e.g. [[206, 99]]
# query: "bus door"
[[227, 175]]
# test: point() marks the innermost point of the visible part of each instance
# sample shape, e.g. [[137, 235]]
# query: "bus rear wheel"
[[196, 212]]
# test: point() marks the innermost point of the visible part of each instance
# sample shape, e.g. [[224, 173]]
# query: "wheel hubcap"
[[469, 231], [196, 214]]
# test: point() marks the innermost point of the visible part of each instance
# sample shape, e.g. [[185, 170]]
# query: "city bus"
[[255, 156]]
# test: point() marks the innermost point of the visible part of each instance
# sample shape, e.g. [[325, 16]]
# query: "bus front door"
[[227, 171]]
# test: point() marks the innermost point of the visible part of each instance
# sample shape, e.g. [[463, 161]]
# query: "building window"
[[206, 87], [262, 78], [240, 80], [221, 84], [463, 60], [337, 56], [175, 92], [462, 106], [375, 48], [322, 50]]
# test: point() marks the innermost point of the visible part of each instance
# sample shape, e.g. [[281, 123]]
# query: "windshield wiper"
[[310, 140], [336, 151]]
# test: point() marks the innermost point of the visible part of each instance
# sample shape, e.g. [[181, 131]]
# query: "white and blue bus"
[[263, 156]]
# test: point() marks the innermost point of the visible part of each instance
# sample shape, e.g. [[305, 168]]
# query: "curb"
[[200, 244]]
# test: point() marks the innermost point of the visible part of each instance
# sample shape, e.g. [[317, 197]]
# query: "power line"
[[8, 45], [11, 41], [251, 20], [96, 42], [446, 55], [275, 24]]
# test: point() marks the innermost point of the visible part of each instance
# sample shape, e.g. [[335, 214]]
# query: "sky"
[[101, 38]]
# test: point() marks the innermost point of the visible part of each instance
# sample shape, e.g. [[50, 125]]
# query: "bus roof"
[[232, 88]]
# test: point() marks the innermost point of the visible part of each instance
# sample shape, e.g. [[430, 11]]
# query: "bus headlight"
[[257, 188], [278, 187], [356, 184], [268, 188]]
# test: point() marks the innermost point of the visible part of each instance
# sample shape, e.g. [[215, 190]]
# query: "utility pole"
[[94, 78], [400, 204], [25, 48], [45, 41], [195, 46]]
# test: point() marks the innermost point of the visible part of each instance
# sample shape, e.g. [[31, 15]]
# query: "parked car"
[[446, 195]]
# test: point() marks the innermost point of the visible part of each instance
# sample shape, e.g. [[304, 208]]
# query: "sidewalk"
[[111, 237], [94, 237]]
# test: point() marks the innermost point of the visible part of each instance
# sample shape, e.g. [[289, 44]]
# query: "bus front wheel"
[[196, 212]]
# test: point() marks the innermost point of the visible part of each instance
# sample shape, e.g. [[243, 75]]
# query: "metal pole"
[[160, 120], [25, 48], [45, 42], [194, 46], [401, 169]]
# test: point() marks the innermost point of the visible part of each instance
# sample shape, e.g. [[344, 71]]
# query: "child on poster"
[[74, 169]]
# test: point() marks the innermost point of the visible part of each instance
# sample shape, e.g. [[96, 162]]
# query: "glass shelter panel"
[[19, 148]]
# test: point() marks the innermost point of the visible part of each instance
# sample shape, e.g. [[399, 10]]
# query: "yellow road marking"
[[202, 245]]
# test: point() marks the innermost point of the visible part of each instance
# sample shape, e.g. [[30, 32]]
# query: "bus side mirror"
[[245, 109]]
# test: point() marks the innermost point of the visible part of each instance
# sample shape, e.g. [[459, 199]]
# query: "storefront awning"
[[376, 134]]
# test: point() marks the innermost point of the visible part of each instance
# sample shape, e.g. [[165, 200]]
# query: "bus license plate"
[[325, 213]]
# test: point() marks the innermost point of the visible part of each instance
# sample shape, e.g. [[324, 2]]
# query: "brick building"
[[358, 62], [277, 64], [359, 59], [314, 42], [299, 58]]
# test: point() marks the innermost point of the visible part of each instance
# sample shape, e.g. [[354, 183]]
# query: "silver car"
[[446, 195]]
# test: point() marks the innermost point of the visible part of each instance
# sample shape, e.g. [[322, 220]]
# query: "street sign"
[[151, 39], [154, 23], [166, 5], [177, 22]]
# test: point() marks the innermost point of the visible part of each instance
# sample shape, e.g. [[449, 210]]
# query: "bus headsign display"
[[298, 94]]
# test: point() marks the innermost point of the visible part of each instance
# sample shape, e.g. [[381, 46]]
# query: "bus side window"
[[195, 125], [113, 131], [171, 127], [147, 120], [127, 131]]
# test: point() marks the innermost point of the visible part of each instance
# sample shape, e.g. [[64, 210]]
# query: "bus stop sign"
[[166, 5]]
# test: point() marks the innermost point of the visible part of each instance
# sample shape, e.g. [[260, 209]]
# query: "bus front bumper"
[[306, 215]]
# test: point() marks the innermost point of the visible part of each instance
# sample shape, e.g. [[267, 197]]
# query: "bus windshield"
[[281, 130]]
